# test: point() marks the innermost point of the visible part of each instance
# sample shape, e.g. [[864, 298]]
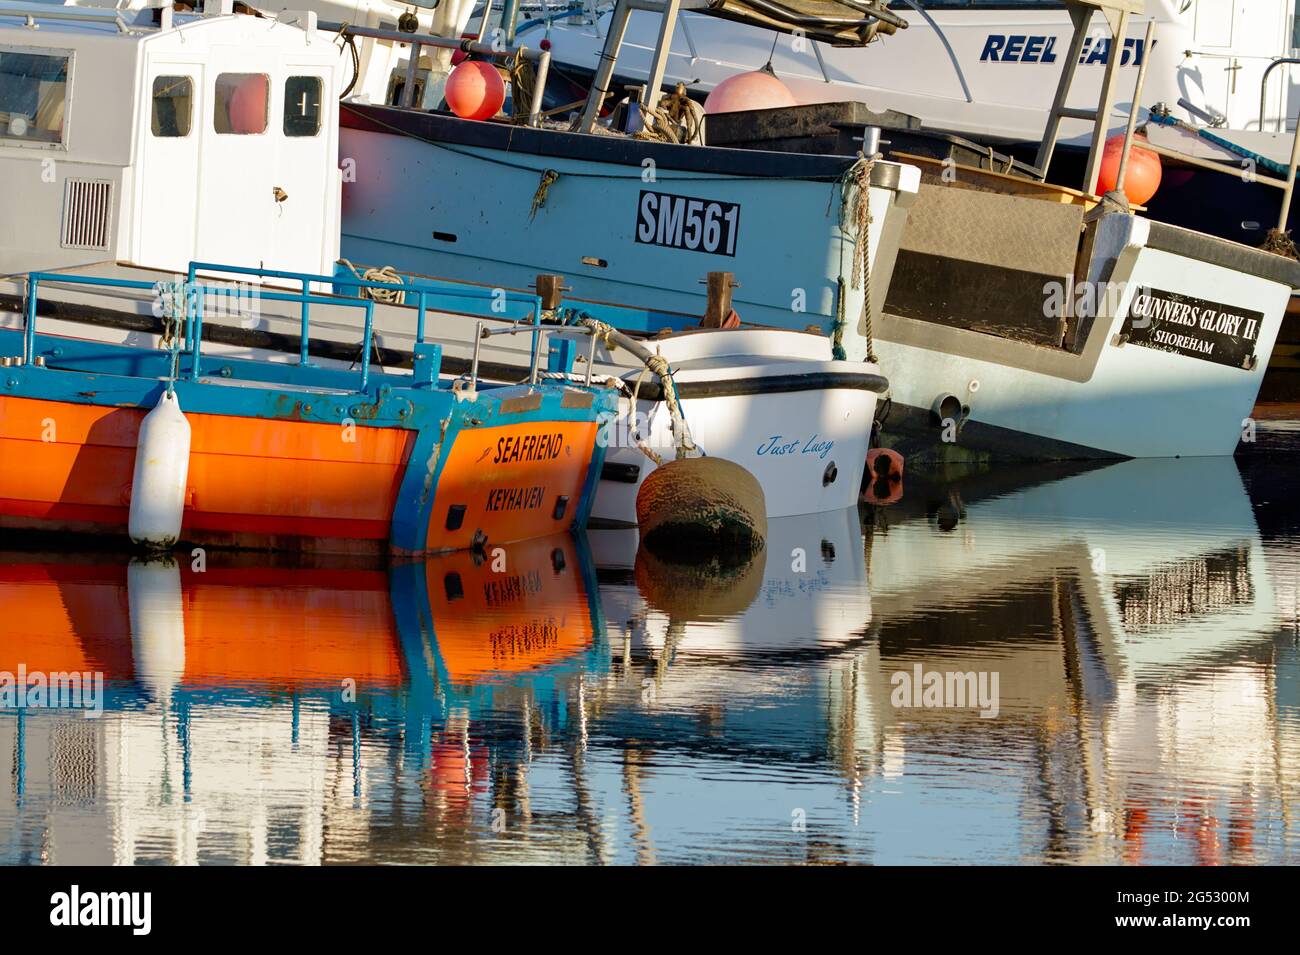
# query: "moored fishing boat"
[[983, 70], [784, 388], [170, 444], [1037, 322], [796, 243]]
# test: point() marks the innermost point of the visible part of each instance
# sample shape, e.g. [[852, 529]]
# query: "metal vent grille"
[[87, 205]]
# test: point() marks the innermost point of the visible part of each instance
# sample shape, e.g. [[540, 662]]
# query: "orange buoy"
[[758, 89], [1144, 170], [475, 90], [884, 477]]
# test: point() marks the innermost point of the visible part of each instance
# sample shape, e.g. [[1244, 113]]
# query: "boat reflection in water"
[[583, 700], [1147, 685], [263, 713]]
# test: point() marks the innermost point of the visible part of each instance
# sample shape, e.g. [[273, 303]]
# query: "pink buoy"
[[475, 90], [248, 104], [755, 90]]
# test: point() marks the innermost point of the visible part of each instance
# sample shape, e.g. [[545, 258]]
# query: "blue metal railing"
[[196, 306], [33, 284], [194, 299], [195, 292], [422, 294]]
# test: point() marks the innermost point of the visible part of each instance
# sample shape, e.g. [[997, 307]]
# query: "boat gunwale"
[[445, 130]]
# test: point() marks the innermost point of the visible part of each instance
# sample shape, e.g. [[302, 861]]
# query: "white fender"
[[162, 465], [157, 625]]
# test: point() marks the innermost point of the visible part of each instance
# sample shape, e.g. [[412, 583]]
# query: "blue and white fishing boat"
[[1023, 323]]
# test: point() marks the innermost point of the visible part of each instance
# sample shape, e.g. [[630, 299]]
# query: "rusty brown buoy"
[[717, 588], [701, 502]]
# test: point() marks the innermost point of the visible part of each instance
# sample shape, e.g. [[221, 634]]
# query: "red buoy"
[[1144, 170], [884, 477], [475, 90]]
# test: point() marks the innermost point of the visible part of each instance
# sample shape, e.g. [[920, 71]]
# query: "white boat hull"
[[808, 449], [1111, 398]]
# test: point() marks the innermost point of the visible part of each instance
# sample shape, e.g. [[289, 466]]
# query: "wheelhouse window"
[[173, 101], [302, 95], [240, 103], [33, 96]]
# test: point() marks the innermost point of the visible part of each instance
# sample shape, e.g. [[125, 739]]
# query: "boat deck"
[[242, 324]]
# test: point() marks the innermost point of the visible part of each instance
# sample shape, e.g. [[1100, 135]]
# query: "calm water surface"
[[588, 703]]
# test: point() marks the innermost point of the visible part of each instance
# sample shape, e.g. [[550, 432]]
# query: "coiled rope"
[[676, 119], [387, 275], [523, 80], [549, 178]]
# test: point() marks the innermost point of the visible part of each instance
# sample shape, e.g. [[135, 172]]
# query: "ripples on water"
[[591, 704]]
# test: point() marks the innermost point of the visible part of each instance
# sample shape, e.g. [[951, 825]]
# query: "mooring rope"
[[173, 297], [855, 219], [610, 337], [523, 80], [621, 386], [350, 42], [633, 432], [685, 444]]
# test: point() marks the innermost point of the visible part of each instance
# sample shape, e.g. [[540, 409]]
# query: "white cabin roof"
[[134, 25]]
